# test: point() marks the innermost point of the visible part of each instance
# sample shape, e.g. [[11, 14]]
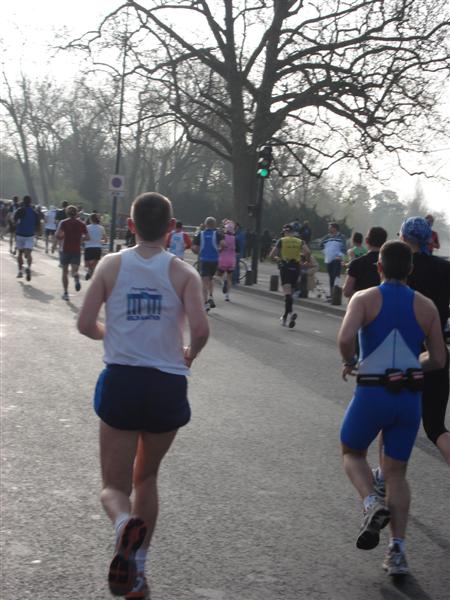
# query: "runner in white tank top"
[[141, 395]]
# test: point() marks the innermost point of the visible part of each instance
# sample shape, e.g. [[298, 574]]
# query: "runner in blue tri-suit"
[[393, 321], [207, 244]]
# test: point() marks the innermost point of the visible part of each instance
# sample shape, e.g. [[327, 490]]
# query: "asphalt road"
[[254, 501]]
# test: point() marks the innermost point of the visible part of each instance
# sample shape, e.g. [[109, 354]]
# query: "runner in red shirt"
[[71, 231]]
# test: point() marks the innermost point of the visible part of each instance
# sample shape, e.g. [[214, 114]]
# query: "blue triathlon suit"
[[392, 340]]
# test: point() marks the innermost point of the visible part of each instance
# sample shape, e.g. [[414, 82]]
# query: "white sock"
[[369, 500], [119, 523], [141, 557], [380, 474]]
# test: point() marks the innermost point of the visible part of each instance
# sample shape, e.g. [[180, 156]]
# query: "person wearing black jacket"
[[431, 277]]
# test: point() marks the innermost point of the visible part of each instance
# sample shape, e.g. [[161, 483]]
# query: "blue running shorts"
[[142, 399], [375, 409]]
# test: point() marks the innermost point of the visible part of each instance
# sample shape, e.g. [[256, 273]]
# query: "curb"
[[308, 303]]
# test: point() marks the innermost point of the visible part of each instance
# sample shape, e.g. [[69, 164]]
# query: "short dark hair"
[[396, 259], [71, 211], [27, 200], [178, 224], [357, 238], [151, 213], [94, 218], [335, 225], [376, 236]]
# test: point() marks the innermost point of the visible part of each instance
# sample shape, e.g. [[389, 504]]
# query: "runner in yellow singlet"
[[287, 252]]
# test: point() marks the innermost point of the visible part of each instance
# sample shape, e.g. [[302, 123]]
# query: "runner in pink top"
[[227, 258]]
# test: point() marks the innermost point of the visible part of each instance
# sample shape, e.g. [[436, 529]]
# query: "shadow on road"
[[75, 309], [31, 292], [404, 587]]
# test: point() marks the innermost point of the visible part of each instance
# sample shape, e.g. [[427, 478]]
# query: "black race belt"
[[394, 380]]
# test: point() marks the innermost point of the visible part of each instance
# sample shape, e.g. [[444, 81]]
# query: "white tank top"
[[144, 315], [177, 244], [96, 232]]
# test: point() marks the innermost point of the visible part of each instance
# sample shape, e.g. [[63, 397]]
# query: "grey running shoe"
[[28, 274], [283, 320], [77, 284], [211, 302], [140, 590], [375, 518], [379, 485], [395, 562], [292, 320], [19, 274], [65, 296], [207, 307]]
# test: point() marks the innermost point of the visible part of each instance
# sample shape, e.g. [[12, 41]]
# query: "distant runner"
[[71, 232], [27, 226], [178, 241], [288, 252]]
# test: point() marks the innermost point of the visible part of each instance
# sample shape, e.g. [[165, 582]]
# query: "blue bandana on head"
[[418, 231]]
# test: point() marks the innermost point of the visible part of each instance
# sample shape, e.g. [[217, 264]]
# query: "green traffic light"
[[263, 172]]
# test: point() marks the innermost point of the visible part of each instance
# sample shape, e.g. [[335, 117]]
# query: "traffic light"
[[264, 161]]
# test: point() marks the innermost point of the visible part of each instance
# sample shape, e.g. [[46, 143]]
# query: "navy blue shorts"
[[141, 399]]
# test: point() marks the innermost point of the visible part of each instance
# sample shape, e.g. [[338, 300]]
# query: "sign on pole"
[[117, 183]]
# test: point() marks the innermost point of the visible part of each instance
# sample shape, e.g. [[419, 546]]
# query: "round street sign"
[[117, 183]]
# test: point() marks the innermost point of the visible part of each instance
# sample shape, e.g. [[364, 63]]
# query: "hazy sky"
[[28, 29]]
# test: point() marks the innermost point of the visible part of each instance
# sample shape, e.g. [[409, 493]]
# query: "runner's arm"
[[196, 315], [435, 356], [353, 320], [349, 286], [87, 323]]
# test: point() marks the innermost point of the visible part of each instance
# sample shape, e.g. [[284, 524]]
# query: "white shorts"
[[25, 242]]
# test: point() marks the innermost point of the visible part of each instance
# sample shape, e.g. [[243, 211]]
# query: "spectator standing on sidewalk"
[[141, 395], [334, 248]]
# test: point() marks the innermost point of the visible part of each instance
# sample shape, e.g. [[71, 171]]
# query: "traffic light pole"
[[112, 237], [258, 214]]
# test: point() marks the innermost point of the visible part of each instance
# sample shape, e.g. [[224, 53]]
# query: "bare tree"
[[329, 79]]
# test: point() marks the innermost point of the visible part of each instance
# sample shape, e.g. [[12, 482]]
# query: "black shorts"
[[49, 232], [289, 273], [208, 268], [434, 401], [141, 399], [92, 253], [70, 258]]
